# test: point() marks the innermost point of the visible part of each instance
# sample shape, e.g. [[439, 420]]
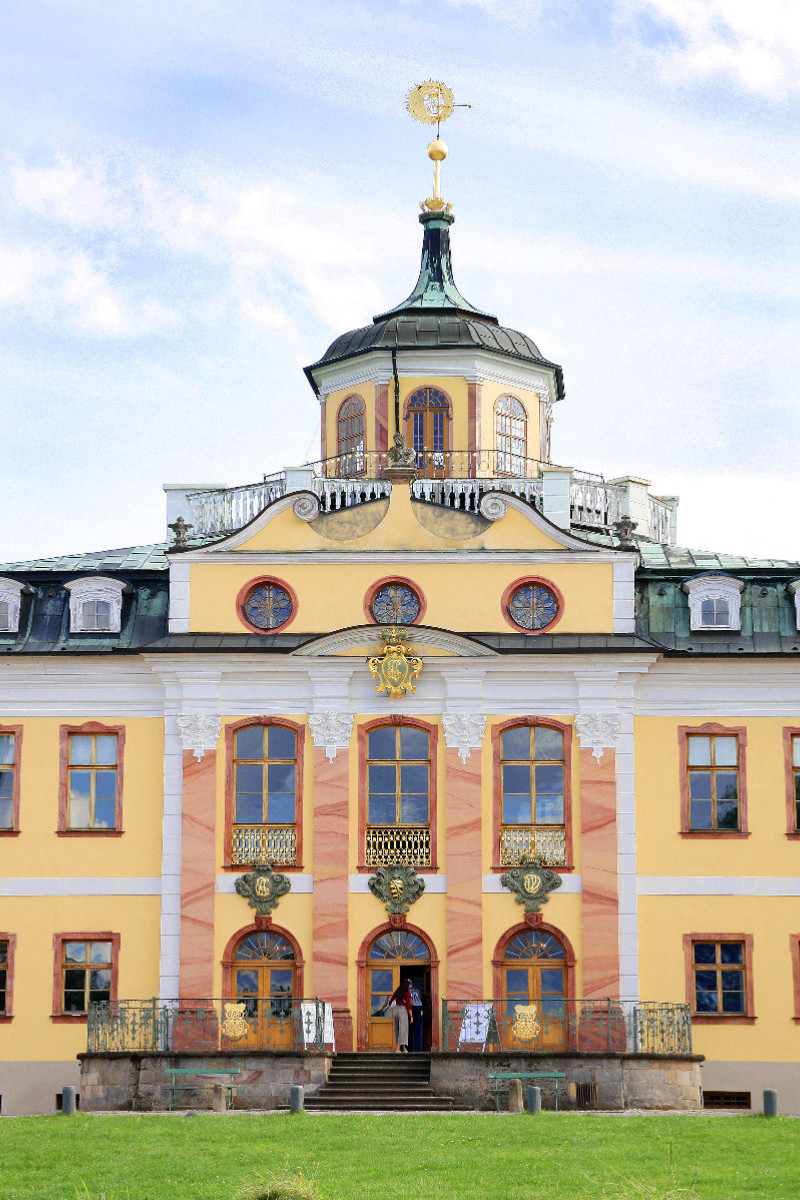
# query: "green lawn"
[[443, 1156]]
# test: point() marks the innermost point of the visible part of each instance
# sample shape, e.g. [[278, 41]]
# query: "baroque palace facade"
[[585, 741]]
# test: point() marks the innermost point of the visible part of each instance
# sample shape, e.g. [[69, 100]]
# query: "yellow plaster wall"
[[663, 920], [294, 914], [31, 1033], [38, 850], [660, 848]]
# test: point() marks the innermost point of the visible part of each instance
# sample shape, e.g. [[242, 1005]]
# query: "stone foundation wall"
[[138, 1082], [623, 1080]]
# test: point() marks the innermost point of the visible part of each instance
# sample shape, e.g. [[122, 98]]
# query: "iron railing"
[[431, 464], [518, 842], [553, 1024], [274, 843], [244, 1023], [229, 509], [397, 845]]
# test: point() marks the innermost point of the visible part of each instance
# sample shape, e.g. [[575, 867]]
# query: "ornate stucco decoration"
[[794, 589], [331, 731], [464, 731], [531, 883], [94, 588], [398, 887], [597, 731], [714, 587], [234, 1023], [493, 507], [393, 669], [306, 507], [199, 732], [11, 591], [263, 888], [180, 530]]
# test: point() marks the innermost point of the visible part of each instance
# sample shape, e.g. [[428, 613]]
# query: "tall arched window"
[[352, 436], [428, 430], [398, 768], [263, 983], [534, 983], [265, 792], [532, 809], [511, 436]]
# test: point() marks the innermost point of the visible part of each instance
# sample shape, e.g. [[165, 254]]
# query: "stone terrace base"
[[623, 1080], [137, 1081]]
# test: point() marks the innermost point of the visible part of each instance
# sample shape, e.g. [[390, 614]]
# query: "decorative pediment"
[[354, 640]]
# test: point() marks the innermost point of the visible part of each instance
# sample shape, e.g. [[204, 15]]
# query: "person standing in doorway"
[[400, 1006], [415, 995]]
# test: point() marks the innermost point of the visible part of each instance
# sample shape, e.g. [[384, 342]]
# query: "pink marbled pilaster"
[[464, 877], [198, 873], [332, 888], [599, 872]]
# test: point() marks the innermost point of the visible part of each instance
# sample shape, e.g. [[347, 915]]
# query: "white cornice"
[[480, 366], [419, 635], [391, 558]]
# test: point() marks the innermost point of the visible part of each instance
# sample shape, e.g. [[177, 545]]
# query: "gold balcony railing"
[[275, 843], [527, 841], [398, 845]]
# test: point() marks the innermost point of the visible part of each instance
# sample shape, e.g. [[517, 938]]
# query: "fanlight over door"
[[534, 1005], [263, 978], [392, 957]]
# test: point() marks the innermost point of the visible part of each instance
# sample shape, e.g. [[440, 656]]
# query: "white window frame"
[[714, 587], [794, 589], [98, 587], [11, 594]]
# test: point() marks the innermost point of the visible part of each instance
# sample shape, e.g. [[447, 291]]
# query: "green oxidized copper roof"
[[436, 287], [129, 558]]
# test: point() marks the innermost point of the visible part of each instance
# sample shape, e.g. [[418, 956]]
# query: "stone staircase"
[[374, 1082]]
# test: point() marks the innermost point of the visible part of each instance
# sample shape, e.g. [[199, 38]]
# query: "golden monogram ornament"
[[234, 1024], [393, 669], [526, 1023], [430, 102]]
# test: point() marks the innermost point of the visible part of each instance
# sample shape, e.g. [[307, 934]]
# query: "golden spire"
[[432, 102]]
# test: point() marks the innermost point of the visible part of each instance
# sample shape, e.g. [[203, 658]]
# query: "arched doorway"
[[428, 431], [263, 976], [534, 990], [392, 955]]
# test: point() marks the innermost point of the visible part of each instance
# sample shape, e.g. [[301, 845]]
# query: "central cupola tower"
[[470, 397]]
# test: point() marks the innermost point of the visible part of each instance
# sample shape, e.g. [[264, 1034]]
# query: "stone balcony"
[[569, 498]]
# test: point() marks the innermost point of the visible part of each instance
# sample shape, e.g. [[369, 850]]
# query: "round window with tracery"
[[395, 604], [532, 606], [267, 606]]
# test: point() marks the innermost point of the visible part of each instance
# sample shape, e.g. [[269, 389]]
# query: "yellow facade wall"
[[487, 436]]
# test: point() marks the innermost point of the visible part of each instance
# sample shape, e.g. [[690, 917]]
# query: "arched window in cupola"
[[428, 431], [511, 436], [351, 436]]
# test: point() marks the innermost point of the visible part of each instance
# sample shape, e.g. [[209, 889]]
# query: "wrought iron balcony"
[[528, 841], [397, 845], [581, 1026], [255, 843]]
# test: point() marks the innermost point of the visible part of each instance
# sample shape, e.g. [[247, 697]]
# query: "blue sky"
[[196, 198]]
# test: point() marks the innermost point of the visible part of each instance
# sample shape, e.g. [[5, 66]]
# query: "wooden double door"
[[393, 957], [534, 1003], [263, 978]]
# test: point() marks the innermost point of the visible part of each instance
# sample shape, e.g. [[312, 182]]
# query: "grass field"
[[442, 1156]]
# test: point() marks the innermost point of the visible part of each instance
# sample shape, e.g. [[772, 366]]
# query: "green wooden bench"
[[179, 1073], [497, 1077]]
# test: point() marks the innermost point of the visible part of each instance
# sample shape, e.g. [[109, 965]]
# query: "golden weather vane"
[[432, 102]]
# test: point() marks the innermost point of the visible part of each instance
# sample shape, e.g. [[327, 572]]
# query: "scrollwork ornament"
[[597, 731], [464, 731], [331, 731], [531, 883], [199, 732], [262, 888], [398, 887], [306, 507], [493, 507]]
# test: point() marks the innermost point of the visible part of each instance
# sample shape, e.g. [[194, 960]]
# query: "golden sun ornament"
[[430, 102]]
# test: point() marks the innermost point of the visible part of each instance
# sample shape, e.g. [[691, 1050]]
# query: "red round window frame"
[[409, 583], [535, 581], [254, 583]]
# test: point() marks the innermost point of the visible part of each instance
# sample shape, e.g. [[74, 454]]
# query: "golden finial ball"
[[437, 150]]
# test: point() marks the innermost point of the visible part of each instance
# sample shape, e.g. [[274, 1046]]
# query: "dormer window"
[[10, 604], [794, 591], [95, 605], [714, 602]]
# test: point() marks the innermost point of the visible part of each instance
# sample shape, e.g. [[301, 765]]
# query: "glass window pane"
[[3, 952], [414, 779], [105, 785], [733, 981], [700, 814], [731, 952], [516, 778], [699, 751], [700, 785], [552, 980], [105, 749], [732, 1002], [413, 742], [725, 751], [7, 748], [102, 614], [6, 812], [549, 810], [74, 979], [281, 808], [80, 784], [100, 952], [104, 814], [382, 778], [549, 778], [75, 1002], [250, 742], [250, 778], [381, 742], [516, 981], [413, 809], [705, 952], [249, 809], [280, 981], [382, 809], [796, 751], [705, 1002], [516, 809], [79, 814], [549, 743], [382, 980], [517, 742], [282, 742], [281, 777], [727, 785], [246, 983], [6, 784], [80, 749], [727, 814], [100, 980]]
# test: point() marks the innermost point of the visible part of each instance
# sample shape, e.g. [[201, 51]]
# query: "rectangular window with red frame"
[[719, 971], [86, 967], [795, 770], [10, 742], [92, 780], [713, 781], [6, 969]]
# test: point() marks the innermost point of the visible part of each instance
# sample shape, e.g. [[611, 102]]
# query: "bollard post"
[[515, 1096], [219, 1098], [68, 1104], [534, 1099], [770, 1102], [296, 1096]]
